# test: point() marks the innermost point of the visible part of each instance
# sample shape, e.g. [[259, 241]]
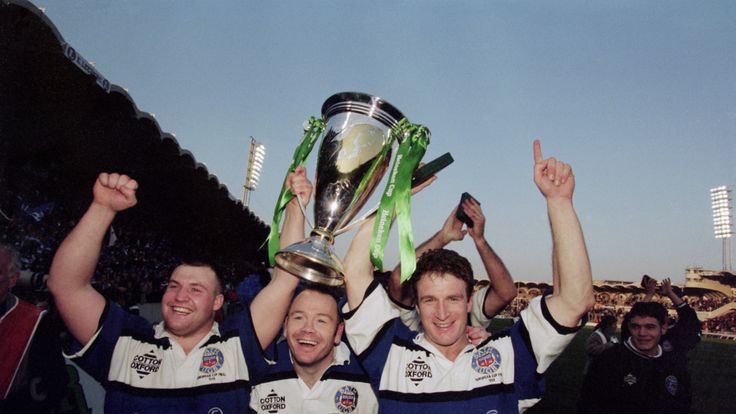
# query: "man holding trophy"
[[314, 371], [188, 362], [439, 371]]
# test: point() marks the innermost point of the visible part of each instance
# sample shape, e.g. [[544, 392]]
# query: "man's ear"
[[338, 333], [470, 304], [219, 301], [664, 328]]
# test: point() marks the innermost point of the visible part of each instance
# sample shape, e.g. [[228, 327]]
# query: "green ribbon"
[[316, 126], [397, 195]]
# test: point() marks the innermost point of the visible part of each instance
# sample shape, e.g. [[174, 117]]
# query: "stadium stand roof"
[[61, 119]]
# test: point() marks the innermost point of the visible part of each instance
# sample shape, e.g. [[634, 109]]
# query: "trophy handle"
[[370, 213], [304, 211]]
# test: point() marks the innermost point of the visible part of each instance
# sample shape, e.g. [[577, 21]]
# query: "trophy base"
[[312, 260]]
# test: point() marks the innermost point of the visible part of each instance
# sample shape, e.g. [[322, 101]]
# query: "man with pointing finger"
[[439, 371]]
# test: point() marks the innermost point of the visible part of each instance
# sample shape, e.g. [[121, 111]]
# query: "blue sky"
[[639, 96]]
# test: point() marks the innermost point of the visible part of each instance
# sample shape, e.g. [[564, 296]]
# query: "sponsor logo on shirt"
[[146, 364], [671, 384], [346, 399], [272, 403], [212, 360], [486, 360], [630, 379], [417, 370], [667, 345]]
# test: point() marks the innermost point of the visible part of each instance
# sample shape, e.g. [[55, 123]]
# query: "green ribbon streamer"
[[396, 198], [315, 129]]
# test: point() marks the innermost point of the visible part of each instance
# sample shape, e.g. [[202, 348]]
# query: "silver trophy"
[[353, 157]]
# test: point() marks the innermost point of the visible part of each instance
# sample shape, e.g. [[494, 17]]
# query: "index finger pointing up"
[[537, 151]]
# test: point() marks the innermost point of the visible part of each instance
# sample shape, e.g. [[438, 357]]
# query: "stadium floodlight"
[[720, 198], [256, 157]]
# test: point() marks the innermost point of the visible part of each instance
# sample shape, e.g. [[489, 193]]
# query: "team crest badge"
[[671, 384], [486, 360], [346, 399], [212, 360], [630, 379], [667, 346]]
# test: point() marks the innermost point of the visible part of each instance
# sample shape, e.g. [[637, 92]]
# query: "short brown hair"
[[219, 285], [651, 309], [336, 293], [442, 261]]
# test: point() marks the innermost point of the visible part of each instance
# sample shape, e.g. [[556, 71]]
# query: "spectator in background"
[[33, 375], [684, 333], [601, 339], [638, 376]]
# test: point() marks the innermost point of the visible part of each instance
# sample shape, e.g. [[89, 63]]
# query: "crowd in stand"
[[722, 324], [515, 307], [706, 304], [618, 304], [701, 304], [134, 264]]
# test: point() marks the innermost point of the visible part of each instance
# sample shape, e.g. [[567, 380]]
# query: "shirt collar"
[[631, 347], [424, 343], [603, 336], [159, 331]]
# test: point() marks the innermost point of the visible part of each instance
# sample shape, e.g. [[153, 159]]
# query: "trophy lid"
[[362, 103]]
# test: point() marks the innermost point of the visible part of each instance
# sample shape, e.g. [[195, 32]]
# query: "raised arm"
[[451, 230], [502, 290], [357, 264], [667, 290], [650, 288], [686, 332], [79, 304], [269, 308], [574, 297]]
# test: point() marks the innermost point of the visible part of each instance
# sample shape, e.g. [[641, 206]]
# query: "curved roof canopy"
[[60, 118]]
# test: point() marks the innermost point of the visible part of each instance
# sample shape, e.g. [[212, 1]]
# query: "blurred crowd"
[[618, 304], [134, 265]]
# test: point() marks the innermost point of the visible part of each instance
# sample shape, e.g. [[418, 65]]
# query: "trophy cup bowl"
[[353, 157]]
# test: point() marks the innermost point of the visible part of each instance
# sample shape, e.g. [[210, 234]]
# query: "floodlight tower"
[[720, 198], [257, 154]]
